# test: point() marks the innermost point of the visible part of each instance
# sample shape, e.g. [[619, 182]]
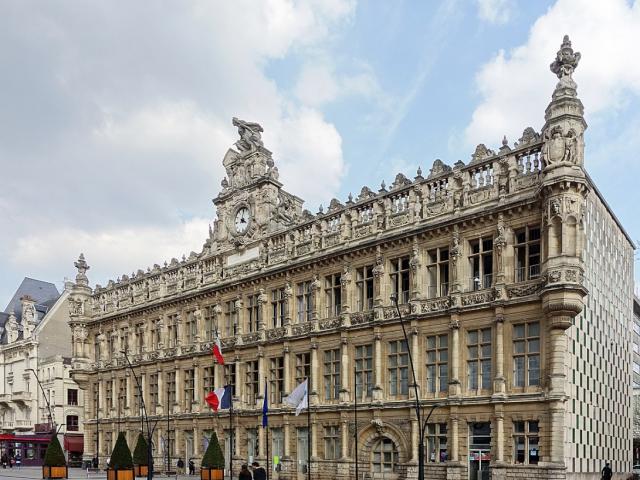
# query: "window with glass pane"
[[278, 307], [526, 442], [72, 423], [189, 385], [124, 339], [72, 396], [252, 444], [230, 377], [207, 381], [364, 288], [364, 370], [230, 319], [526, 354], [480, 436], [137, 403], [276, 379], [400, 278], [398, 368], [437, 363], [109, 394], [190, 328], [253, 313], [139, 338], [481, 263], [209, 322], [332, 374], [479, 359], [527, 253], [171, 388], [332, 443], [277, 441], [436, 442], [153, 392], [156, 334], [303, 302], [251, 381], [333, 294], [172, 330], [438, 272], [303, 367], [384, 456]]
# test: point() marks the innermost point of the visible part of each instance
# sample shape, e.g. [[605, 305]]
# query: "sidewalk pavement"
[[74, 473]]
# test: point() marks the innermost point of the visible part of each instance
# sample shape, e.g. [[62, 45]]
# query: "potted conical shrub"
[[140, 459], [121, 463], [55, 465], [212, 465]]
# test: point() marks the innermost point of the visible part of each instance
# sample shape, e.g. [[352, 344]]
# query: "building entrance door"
[[479, 461]]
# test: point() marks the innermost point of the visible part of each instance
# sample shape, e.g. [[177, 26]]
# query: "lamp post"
[[97, 396], [422, 426], [146, 420], [35, 374]]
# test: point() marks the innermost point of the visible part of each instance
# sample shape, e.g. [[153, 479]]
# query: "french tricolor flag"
[[217, 350], [220, 398]]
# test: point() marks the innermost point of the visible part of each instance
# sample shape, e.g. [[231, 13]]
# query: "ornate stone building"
[[504, 270]]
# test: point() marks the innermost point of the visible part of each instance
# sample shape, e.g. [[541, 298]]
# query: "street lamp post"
[[146, 420], [422, 426]]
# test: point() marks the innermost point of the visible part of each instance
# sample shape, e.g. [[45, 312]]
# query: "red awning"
[[74, 443]]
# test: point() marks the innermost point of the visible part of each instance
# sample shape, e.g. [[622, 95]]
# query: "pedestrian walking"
[[244, 474], [180, 465], [192, 467], [607, 473], [259, 473]]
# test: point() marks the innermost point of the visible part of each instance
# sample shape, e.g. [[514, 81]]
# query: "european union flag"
[[265, 407]]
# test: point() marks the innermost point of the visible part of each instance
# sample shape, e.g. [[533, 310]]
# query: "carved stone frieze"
[[476, 298], [363, 230], [522, 290], [399, 219], [330, 323], [435, 305], [276, 333], [302, 329], [251, 337], [358, 318]]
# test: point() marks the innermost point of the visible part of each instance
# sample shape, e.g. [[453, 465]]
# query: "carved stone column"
[[198, 387], [455, 384], [414, 264], [162, 407], [287, 369], [455, 253], [346, 283], [316, 291], [415, 439], [500, 440], [454, 439], [345, 372], [499, 382], [286, 436], [262, 451], [377, 352], [314, 437], [315, 373], [179, 392], [289, 304], [263, 306], [378, 278], [416, 352], [344, 436]]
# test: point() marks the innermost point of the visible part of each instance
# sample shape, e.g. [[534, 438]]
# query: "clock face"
[[242, 220]]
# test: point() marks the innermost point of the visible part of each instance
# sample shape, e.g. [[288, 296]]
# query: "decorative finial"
[[566, 59], [383, 187], [419, 172], [81, 265], [321, 209], [505, 142], [350, 198]]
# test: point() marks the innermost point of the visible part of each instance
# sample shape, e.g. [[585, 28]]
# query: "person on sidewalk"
[[607, 473], [259, 473], [244, 474]]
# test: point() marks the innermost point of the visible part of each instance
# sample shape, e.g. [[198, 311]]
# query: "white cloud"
[[516, 86], [495, 11]]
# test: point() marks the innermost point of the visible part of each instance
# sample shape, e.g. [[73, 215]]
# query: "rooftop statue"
[[250, 136]]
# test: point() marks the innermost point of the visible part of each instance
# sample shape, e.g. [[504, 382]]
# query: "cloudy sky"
[[114, 116]]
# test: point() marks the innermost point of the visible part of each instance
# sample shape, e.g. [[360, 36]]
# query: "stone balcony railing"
[[490, 178], [23, 424], [21, 397]]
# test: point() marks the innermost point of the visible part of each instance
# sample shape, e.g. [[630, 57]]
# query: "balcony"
[[23, 424], [7, 425], [527, 273], [5, 398], [22, 397]]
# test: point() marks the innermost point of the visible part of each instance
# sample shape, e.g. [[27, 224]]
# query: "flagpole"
[[231, 439], [355, 415], [266, 401], [308, 429]]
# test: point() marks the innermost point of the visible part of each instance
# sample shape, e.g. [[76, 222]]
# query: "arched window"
[[384, 456]]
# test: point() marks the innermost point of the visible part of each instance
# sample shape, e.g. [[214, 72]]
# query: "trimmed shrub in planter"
[[140, 460], [55, 465], [121, 463], [212, 466]]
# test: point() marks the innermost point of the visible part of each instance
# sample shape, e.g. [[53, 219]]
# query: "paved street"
[[77, 473]]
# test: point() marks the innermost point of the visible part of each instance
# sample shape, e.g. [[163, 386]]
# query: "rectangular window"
[[209, 322], [303, 367], [72, 396], [96, 349], [333, 294], [364, 287], [251, 381], [230, 319], [207, 381], [481, 263], [156, 334], [526, 354], [364, 371], [278, 307], [252, 444], [137, 401], [438, 272], [122, 392], [303, 302], [190, 328], [437, 363], [479, 359], [108, 395], [527, 253], [253, 313], [124, 340], [230, 377], [153, 392], [332, 443], [189, 388], [72, 423], [172, 330], [398, 368], [139, 337], [277, 442], [171, 388], [332, 374], [436, 442], [526, 442], [276, 380], [400, 279]]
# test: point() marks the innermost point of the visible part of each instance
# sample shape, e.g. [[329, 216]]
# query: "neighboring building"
[[636, 377], [513, 277], [34, 339]]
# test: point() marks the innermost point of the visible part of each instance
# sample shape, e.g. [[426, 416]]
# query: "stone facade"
[[489, 261]]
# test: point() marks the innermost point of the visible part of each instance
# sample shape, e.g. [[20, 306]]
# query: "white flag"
[[299, 397]]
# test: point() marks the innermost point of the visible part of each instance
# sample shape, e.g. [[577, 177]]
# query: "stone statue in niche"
[[250, 136], [559, 148]]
